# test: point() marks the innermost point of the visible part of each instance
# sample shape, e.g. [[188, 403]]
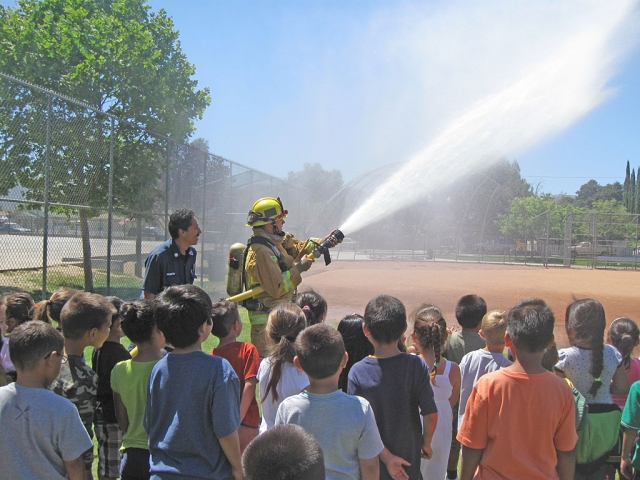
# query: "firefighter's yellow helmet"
[[264, 211]]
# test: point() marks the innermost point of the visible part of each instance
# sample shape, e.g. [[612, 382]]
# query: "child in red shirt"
[[244, 358]]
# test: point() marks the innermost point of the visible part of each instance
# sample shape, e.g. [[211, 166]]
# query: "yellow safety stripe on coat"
[[288, 284], [258, 318]]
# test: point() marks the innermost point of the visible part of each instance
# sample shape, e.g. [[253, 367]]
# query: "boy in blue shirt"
[[192, 413], [396, 385]]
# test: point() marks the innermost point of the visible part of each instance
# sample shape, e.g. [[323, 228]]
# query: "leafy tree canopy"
[[320, 183]]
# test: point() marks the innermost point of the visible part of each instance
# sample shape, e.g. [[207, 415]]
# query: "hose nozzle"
[[331, 241]]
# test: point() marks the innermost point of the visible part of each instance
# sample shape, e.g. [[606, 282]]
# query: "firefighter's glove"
[[334, 240], [304, 264]]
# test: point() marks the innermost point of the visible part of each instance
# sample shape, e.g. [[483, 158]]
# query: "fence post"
[[166, 192], [567, 240], [47, 176], [203, 220], [110, 204]]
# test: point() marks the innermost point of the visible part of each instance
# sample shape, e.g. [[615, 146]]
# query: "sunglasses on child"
[[64, 357]]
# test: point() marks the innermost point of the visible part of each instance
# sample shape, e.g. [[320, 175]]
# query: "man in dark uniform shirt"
[[174, 261]]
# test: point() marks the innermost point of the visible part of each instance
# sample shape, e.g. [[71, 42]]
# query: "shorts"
[[109, 438], [135, 464]]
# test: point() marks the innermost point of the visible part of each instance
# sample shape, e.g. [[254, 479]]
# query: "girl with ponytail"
[[624, 335], [430, 334], [277, 376], [596, 370], [49, 310], [313, 305]]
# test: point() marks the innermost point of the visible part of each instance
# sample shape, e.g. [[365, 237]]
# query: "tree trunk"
[[86, 251], [139, 247]]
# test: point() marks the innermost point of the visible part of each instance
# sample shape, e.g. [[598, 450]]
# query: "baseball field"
[[349, 285]]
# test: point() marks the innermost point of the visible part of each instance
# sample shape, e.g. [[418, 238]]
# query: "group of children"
[[384, 395]]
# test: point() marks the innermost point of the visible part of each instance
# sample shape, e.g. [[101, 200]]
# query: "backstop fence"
[[85, 196]]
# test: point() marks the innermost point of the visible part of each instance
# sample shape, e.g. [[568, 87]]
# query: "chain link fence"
[[85, 196]]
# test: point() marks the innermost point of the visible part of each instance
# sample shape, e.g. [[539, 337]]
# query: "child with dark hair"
[[285, 452], [129, 381], [42, 435], [520, 420], [355, 343], [470, 310], [49, 310], [313, 305], [17, 307], [108, 433], [625, 336], [597, 371], [244, 358], [4, 344], [398, 387], [85, 321], [277, 376], [344, 425], [192, 413], [430, 335]]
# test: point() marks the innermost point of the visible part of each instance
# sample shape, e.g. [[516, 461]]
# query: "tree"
[[320, 184], [120, 58], [592, 192], [626, 197]]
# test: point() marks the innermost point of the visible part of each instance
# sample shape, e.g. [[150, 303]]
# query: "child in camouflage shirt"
[[86, 321]]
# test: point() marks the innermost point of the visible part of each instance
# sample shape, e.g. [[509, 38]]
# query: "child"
[[430, 335], [192, 415], [469, 312], [107, 430], [355, 343], [630, 465], [520, 420], [397, 386], [129, 381], [625, 336], [344, 425], [85, 321], [42, 435], [313, 305], [277, 376], [286, 452], [597, 371], [49, 310], [244, 358], [17, 308], [488, 359], [4, 344]]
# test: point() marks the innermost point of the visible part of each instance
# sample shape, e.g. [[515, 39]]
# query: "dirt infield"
[[348, 286]]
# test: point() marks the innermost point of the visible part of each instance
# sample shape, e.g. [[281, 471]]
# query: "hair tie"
[[597, 380], [435, 364], [306, 307]]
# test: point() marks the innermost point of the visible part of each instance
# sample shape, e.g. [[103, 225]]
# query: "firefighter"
[[274, 261]]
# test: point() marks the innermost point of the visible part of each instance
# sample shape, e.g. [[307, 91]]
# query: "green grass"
[[207, 346]]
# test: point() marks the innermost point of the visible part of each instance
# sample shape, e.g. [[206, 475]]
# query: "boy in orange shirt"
[[520, 420]]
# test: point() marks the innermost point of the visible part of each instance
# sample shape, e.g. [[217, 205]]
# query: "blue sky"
[[358, 84]]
